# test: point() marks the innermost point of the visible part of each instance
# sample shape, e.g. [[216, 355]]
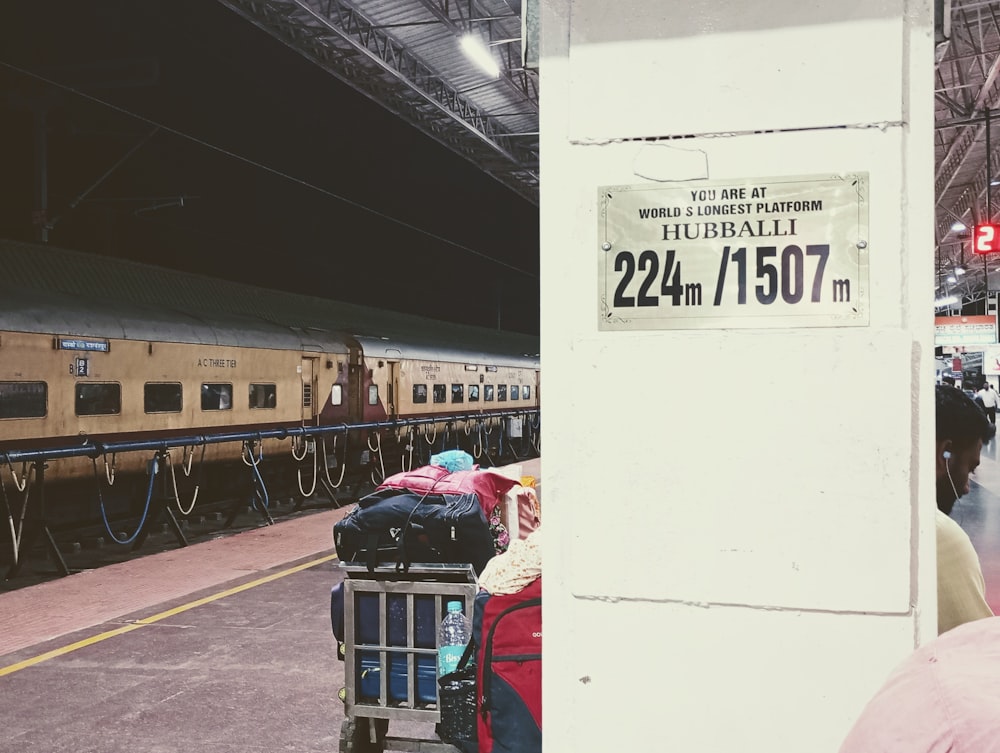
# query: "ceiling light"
[[946, 301], [960, 270], [477, 51], [952, 278], [956, 226], [995, 182]]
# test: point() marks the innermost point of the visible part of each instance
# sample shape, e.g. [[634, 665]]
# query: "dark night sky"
[[239, 112]]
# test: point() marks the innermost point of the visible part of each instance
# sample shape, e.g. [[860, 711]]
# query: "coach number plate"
[[764, 253]]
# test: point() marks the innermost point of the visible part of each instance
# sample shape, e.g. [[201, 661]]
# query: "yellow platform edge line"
[[63, 650]]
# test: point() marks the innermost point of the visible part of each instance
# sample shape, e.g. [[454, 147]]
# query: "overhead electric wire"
[[272, 170]]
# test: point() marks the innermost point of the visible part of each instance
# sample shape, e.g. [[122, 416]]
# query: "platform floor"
[[219, 647], [226, 646]]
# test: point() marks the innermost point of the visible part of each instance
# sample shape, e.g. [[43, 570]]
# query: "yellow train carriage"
[[177, 377], [98, 350], [424, 381]]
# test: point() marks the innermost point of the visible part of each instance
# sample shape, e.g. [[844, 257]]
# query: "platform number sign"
[[763, 252], [986, 239]]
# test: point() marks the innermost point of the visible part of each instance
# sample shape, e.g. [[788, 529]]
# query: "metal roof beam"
[[460, 18], [347, 44], [962, 146]]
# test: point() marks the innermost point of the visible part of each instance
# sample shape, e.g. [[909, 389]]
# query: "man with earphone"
[[946, 695], [962, 429]]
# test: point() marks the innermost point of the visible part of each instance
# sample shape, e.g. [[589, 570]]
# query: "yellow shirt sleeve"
[[961, 588]]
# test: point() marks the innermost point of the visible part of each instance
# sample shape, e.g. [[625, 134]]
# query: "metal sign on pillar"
[[762, 252]]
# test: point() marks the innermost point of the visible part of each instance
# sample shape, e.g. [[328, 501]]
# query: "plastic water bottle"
[[454, 634]]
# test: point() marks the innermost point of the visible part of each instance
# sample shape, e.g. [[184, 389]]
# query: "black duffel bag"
[[399, 526]]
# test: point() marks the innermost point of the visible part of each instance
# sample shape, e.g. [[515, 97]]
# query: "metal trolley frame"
[[366, 718]]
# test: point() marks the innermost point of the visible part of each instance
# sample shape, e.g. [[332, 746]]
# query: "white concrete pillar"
[[739, 497]]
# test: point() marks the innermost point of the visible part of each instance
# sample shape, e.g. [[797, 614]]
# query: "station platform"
[[219, 647]]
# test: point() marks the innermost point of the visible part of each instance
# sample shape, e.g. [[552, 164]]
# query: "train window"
[[161, 397], [440, 393], [373, 394], [488, 393], [526, 391], [217, 396], [98, 399], [515, 392], [337, 394], [420, 393], [473, 393], [458, 393], [501, 392], [23, 399], [263, 396]]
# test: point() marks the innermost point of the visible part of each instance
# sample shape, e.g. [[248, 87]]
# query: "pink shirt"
[[945, 698]]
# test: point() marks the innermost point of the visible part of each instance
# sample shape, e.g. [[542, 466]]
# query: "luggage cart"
[[390, 650]]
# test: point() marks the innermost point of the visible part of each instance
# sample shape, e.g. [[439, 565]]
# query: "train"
[[104, 354]]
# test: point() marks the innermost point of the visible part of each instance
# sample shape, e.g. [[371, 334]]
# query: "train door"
[[392, 390], [310, 407], [357, 390]]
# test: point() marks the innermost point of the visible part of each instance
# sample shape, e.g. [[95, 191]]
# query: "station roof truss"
[[966, 158], [405, 55]]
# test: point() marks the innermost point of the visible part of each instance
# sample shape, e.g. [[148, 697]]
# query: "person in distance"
[[962, 429], [988, 396]]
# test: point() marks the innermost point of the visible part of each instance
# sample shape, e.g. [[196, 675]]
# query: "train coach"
[[101, 352]]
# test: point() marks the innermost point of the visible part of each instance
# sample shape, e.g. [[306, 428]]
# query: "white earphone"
[[947, 469]]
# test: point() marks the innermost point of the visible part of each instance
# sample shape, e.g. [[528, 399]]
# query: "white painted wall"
[[740, 522]]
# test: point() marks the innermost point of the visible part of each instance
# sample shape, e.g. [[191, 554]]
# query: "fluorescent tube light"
[[477, 51]]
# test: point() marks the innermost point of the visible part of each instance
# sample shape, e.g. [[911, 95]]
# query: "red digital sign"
[[986, 239]]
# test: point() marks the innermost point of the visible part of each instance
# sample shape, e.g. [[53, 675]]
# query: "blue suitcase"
[[388, 622], [424, 636]]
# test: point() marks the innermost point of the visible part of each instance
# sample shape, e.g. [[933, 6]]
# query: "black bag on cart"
[[399, 526]]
